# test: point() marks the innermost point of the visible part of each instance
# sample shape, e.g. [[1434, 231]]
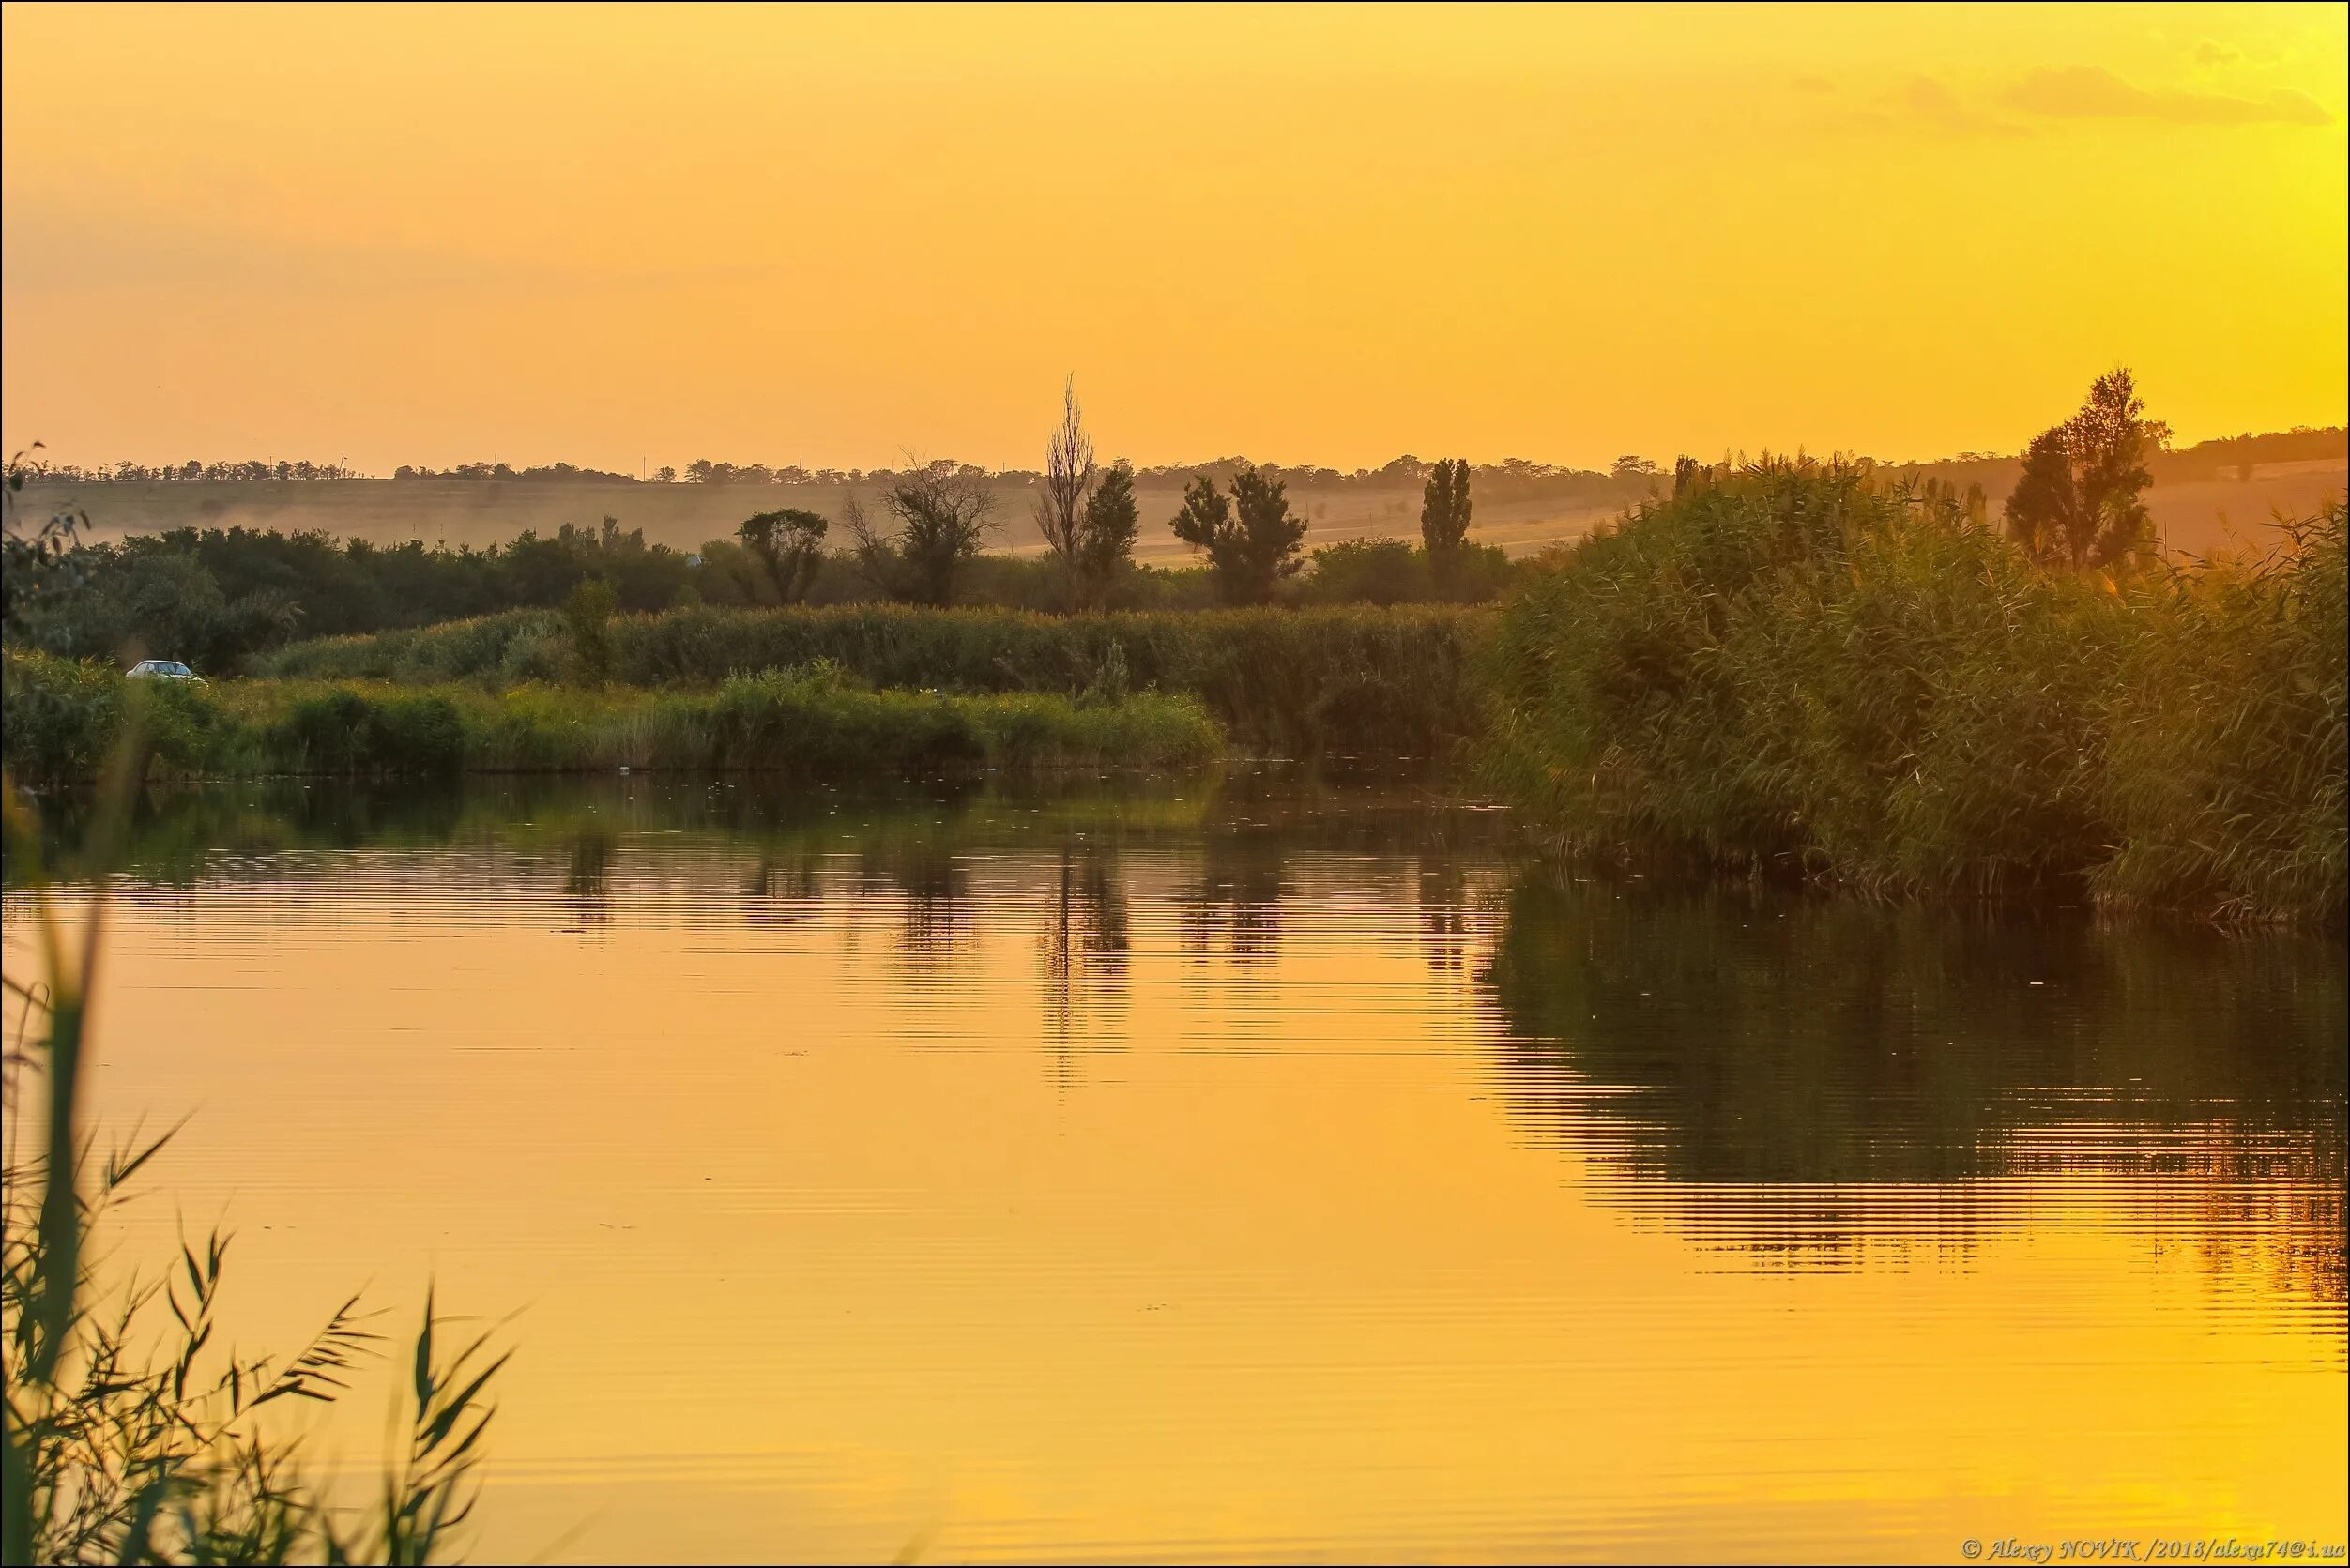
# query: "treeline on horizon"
[[1512, 479], [1786, 668], [1517, 477], [217, 598]]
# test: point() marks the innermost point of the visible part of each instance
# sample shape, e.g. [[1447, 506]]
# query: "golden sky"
[[1331, 235]]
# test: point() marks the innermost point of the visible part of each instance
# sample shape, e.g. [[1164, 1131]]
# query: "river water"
[[1235, 1168]]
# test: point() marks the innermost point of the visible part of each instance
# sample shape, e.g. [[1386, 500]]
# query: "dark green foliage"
[[2042, 507], [587, 617], [813, 719], [61, 716], [1205, 521], [340, 731], [940, 516], [213, 597], [152, 602], [38, 566], [544, 569], [775, 725], [1107, 543], [1063, 492], [2080, 502], [1370, 572], [790, 547], [1087, 517], [1349, 680], [1389, 572], [2225, 752], [1251, 539], [218, 598], [1444, 512], [1794, 669], [1270, 533]]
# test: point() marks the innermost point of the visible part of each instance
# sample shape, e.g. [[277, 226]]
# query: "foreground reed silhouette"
[[125, 1441]]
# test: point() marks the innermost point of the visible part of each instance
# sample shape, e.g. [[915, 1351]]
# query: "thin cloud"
[[1934, 102], [2211, 54], [51, 247], [2089, 92]]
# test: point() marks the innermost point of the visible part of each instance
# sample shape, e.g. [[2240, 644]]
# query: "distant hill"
[[2211, 497], [2207, 498]]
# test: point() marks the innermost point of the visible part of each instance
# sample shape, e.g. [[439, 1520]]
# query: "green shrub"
[[1340, 679], [588, 612], [61, 715], [1393, 571], [1796, 669], [61, 719]]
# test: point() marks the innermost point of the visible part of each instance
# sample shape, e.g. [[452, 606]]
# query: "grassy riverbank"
[[61, 718], [1389, 681], [1794, 670]]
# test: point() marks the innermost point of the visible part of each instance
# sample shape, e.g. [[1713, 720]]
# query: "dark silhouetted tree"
[[942, 512], [1067, 485], [1111, 522], [1444, 513], [2041, 510], [2080, 500], [41, 564], [1205, 521], [1251, 539], [790, 547]]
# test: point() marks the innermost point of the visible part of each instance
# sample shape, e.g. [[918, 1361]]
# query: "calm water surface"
[[1245, 1171]]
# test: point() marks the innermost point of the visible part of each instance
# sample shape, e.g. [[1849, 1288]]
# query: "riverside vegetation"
[[1351, 680], [1792, 669], [1789, 667], [63, 717]]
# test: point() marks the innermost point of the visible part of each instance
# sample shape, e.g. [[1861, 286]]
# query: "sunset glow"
[[827, 235]]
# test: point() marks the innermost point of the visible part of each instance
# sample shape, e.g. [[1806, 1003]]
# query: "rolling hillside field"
[[2198, 517], [479, 511]]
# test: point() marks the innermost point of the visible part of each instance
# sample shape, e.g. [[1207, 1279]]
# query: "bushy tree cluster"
[[2080, 502], [211, 596], [934, 521], [1251, 538]]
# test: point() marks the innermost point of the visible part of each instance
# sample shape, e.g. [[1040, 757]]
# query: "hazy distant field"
[[2197, 517]]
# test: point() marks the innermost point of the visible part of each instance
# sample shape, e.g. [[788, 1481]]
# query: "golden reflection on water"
[[1243, 1175]]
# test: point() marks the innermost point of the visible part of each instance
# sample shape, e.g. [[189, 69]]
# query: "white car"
[[163, 669]]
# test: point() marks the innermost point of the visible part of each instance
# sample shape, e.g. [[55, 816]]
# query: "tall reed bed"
[[1797, 669], [2226, 748], [1392, 681], [61, 717]]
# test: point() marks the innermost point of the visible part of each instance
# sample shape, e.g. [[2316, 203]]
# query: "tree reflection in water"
[[1813, 1079]]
